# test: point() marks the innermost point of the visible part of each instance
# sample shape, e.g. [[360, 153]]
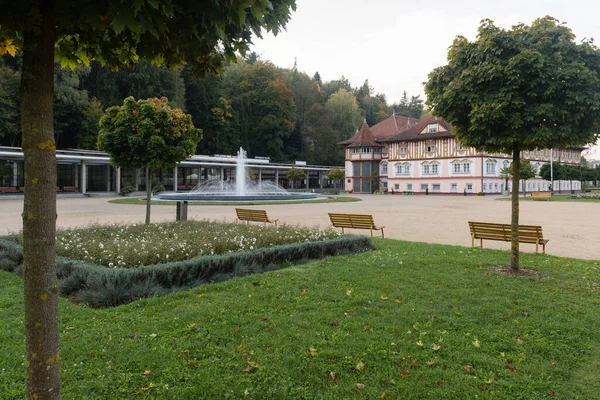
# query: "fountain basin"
[[191, 196]]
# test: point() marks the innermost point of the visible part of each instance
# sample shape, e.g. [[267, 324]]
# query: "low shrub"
[[11, 256], [99, 286]]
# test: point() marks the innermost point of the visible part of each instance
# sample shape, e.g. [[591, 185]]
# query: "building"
[[402, 154], [87, 171]]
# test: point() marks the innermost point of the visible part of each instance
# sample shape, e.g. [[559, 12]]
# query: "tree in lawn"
[[531, 87], [336, 174], [295, 174], [147, 134], [203, 34]]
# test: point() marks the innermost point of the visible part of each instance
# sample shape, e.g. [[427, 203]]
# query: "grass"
[[142, 201], [557, 197], [126, 246], [410, 320]]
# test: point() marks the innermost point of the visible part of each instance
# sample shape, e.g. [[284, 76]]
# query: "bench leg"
[[382, 236], [481, 243], [342, 231], [472, 241], [537, 245], [371, 232], [544, 248]]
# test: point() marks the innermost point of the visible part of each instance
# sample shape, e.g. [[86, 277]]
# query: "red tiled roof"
[[392, 126], [413, 133], [364, 137]]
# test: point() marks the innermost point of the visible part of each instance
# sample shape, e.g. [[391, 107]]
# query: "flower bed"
[[129, 246]]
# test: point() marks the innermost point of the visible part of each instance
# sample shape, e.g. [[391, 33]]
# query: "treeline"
[[273, 112]]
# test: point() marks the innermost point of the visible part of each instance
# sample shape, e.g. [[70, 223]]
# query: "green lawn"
[[142, 201], [555, 197], [410, 321]]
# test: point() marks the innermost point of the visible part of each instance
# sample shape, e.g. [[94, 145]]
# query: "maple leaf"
[[147, 372], [420, 343], [360, 366], [476, 343], [435, 346]]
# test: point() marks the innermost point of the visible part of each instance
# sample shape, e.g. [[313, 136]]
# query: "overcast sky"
[[395, 44]]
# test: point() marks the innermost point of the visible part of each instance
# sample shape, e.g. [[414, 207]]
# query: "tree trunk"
[[148, 194], [514, 246], [39, 207]]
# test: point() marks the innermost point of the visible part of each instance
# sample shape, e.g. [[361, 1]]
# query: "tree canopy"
[[530, 87]]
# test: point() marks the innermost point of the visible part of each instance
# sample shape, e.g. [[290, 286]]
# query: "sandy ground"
[[573, 228]]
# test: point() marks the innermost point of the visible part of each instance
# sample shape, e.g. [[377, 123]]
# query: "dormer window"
[[367, 150], [403, 150], [431, 148], [432, 128]]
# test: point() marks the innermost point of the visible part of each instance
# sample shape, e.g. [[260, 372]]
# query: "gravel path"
[[573, 228]]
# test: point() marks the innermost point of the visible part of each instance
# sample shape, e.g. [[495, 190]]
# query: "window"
[[469, 187], [432, 128], [397, 186], [490, 167], [384, 168], [409, 186], [367, 150], [453, 187], [349, 181], [403, 150], [430, 168], [506, 164], [435, 187], [424, 187], [461, 167], [485, 187], [377, 150], [459, 146], [355, 150], [384, 185], [431, 148], [403, 169]]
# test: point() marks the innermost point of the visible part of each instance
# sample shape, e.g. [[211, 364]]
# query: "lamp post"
[[551, 172]]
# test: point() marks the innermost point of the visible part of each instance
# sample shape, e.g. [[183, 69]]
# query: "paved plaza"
[[573, 228]]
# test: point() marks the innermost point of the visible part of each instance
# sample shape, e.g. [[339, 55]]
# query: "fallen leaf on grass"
[[147, 372], [360, 366], [435, 346], [360, 386], [467, 369], [333, 377], [510, 367], [405, 373], [477, 343], [313, 352], [148, 386]]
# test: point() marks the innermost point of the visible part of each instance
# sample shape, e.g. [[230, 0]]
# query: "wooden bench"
[[355, 221], [244, 214], [502, 232], [69, 189], [541, 195], [9, 189]]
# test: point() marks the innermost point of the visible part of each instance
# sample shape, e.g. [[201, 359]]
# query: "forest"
[[283, 114]]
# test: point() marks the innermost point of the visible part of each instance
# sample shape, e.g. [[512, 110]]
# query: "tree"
[[520, 89], [10, 107], [295, 174], [506, 175], [320, 140], [336, 174], [147, 134], [346, 115], [204, 34], [412, 108], [526, 172]]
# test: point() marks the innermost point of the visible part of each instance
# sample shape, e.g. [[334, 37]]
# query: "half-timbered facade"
[[424, 156]]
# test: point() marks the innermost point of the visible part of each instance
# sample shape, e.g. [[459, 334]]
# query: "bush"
[[11, 256], [127, 189]]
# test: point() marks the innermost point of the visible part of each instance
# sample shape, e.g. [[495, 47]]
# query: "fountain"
[[241, 190]]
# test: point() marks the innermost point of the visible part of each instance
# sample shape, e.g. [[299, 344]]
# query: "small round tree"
[[531, 87], [295, 174], [147, 134], [336, 174]]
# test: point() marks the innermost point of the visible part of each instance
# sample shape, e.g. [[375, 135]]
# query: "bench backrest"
[[245, 214], [492, 231], [541, 195], [352, 220]]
